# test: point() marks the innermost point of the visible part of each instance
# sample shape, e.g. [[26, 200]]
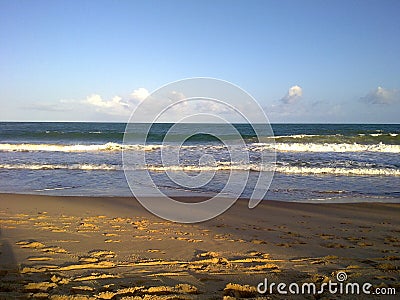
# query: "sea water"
[[314, 162]]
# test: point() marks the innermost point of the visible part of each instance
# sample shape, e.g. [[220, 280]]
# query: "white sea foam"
[[338, 171], [283, 147], [296, 136], [380, 134], [194, 168], [326, 147], [282, 169], [220, 166], [87, 167], [75, 148], [55, 189]]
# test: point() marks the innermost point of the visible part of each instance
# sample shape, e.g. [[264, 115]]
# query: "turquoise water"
[[318, 162]]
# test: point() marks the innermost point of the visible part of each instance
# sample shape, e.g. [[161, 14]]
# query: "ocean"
[[314, 162]]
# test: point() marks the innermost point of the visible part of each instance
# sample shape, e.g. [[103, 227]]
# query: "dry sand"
[[112, 248]]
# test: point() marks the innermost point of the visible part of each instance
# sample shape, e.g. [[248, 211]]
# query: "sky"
[[303, 61]]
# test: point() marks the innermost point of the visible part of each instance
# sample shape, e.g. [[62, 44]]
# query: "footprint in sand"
[[240, 291], [39, 258], [54, 250], [96, 256], [259, 254], [187, 239], [111, 241], [263, 267], [177, 289], [258, 242], [102, 254], [155, 251], [334, 245], [81, 288], [365, 244], [156, 292], [327, 236], [86, 259], [107, 234], [30, 244], [210, 258], [39, 286], [285, 245], [87, 227], [96, 276]]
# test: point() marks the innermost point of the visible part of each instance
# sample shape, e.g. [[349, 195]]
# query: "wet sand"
[[112, 248]]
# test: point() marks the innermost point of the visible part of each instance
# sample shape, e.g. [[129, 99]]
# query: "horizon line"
[[117, 122]]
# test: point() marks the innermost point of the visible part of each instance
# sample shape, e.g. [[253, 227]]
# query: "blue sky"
[[303, 61]]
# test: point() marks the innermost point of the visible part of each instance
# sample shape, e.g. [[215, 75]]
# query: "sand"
[[112, 248]]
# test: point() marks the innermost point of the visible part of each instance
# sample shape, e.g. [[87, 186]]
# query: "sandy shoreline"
[[112, 248]]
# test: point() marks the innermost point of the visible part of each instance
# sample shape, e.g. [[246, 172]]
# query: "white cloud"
[[118, 105], [96, 100], [173, 106], [293, 94], [382, 96], [140, 94], [176, 96], [115, 106], [192, 106]]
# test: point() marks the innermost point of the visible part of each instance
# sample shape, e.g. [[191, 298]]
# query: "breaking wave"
[[74, 148], [220, 166], [325, 147], [283, 147], [283, 169], [87, 167]]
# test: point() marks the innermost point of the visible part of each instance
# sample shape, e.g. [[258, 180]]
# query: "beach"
[[199, 150], [61, 247]]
